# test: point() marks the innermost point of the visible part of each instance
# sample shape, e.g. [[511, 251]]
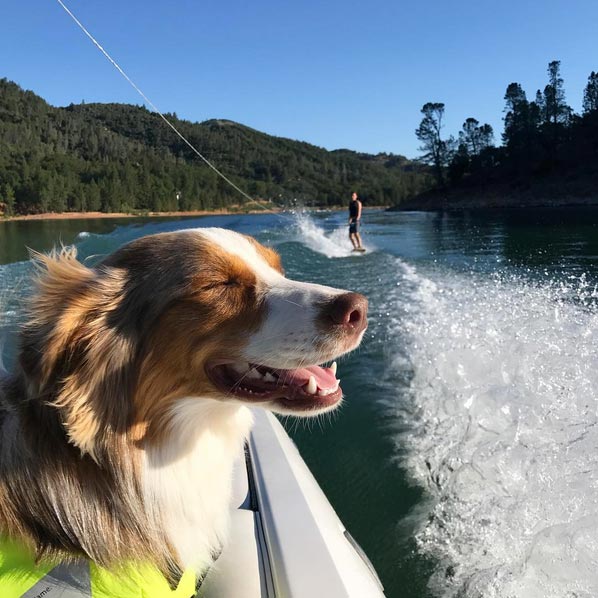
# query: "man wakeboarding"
[[354, 222]]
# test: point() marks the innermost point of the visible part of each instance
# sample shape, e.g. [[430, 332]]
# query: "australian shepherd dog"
[[131, 395]]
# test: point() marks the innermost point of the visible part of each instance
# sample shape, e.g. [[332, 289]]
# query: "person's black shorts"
[[354, 227]]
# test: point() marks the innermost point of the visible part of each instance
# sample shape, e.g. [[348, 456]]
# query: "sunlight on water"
[[502, 415]]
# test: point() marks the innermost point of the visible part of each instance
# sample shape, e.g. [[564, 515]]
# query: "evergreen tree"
[[436, 150], [541, 104], [522, 120], [556, 109], [475, 138], [460, 163], [516, 114], [590, 94], [8, 197], [485, 137]]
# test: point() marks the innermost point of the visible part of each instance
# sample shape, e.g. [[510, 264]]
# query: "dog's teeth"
[[323, 392], [240, 367], [311, 387], [253, 374], [268, 377], [333, 368]]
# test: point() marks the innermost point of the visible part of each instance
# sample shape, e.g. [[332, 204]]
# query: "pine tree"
[[516, 114], [436, 150], [590, 94], [556, 109], [8, 197], [474, 137]]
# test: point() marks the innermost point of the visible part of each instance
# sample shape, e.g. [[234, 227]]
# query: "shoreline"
[[550, 192], [98, 215], [186, 214], [507, 203]]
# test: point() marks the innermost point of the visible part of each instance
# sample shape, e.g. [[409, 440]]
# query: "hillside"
[[119, 158]]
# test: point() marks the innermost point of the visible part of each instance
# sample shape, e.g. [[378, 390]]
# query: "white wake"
[[502, 410], [331, 244]]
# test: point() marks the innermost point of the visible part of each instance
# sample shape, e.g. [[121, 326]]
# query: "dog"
[[131, 396]]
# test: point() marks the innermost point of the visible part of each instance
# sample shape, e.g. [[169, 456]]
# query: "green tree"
[[521, 119], [541, 104], [474, 137], [460, 164], [8, 197], [590, 94], [556, 109], [436, 150], [485, 137], [516, 113]]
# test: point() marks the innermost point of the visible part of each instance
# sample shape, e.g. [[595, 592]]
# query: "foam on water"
[[501, 415], [334, 244]]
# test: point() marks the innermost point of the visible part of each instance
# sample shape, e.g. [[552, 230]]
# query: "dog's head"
[[204, 313]]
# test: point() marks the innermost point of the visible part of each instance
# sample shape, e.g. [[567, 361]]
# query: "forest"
[[124, 158], [549, 154]]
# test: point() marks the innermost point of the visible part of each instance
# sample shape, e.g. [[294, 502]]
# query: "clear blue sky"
[[337, 73]]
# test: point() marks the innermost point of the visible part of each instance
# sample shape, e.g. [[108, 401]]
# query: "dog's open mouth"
[[312, 387]]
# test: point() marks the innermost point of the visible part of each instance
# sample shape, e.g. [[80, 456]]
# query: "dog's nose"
[[349, 310]]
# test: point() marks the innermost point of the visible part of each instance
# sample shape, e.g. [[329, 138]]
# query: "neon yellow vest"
[[21, 577]]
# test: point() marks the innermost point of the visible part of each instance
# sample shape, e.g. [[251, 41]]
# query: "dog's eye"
[[225, 283], [231, 282]]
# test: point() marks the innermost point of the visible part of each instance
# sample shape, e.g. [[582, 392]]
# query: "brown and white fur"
[[129, 402]]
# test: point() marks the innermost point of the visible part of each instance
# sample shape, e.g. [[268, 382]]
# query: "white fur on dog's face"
[[291, 335], [288, 335]]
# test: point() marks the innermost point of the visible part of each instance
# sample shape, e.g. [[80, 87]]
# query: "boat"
[[286, 540]]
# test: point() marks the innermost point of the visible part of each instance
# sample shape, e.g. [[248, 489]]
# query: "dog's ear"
[[72, 357]]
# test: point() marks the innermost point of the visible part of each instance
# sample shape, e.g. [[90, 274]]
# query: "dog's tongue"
[[324, 376]]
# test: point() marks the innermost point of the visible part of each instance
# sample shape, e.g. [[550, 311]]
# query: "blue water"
[[464, 459]]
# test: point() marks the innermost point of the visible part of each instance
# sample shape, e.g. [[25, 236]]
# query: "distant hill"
[[120, 158]]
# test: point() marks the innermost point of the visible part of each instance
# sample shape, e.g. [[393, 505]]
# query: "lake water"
[[465, 457]]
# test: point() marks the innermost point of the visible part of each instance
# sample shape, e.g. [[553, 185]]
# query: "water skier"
[[354, 221]]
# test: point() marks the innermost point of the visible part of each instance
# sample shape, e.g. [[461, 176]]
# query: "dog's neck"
[[176, 512], [187, 478]]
